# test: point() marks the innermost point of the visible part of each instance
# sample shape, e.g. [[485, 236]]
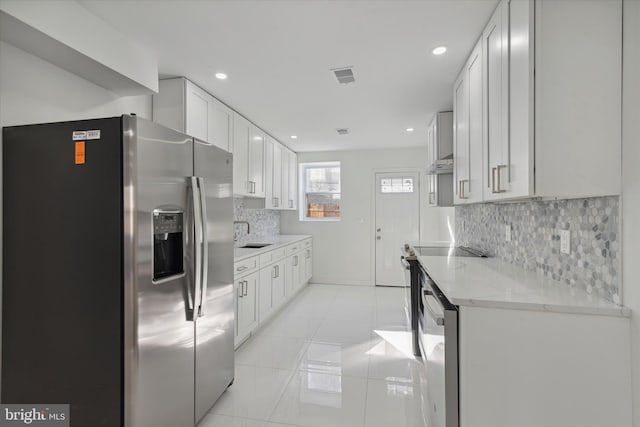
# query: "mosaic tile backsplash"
[[264, 223], [535, 239]]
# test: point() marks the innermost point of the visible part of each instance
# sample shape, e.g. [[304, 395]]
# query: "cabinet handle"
[[241, 289], [462, 195], [308, 253], [275, 273], [295, 260], [496, 171], [242, 268], [246, 288]]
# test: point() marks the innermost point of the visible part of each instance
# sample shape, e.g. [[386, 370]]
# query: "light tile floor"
[[335, 356]]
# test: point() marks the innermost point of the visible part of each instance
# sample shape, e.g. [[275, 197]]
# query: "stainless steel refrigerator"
[[117, 271]]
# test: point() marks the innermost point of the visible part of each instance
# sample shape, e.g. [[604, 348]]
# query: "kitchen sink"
[[255, 245]]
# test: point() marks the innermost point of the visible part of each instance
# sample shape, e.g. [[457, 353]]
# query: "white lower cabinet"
[[246, 288], [530, 368], [272, 289], [293, 273], [266, 282], [308, 264]]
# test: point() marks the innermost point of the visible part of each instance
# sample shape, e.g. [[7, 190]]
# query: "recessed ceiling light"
[[439, 50], [409, 129], [221, 76], [294, 136]]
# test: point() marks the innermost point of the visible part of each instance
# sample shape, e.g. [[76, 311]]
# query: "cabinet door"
[[430, 145], [521, 82], [296, 276], [293, 274], [460, 136], [277, 175], [256, 162], [269, 170], [197, 111], [241, 135], [220, 124], [308, 268], [293, 181], [246, 296], [495, 92], [432, 190], [285, 179], [443, 132], [472, 189], [265, 295], [279, 291]]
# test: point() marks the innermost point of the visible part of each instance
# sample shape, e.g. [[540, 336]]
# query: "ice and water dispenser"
[[168, 252]]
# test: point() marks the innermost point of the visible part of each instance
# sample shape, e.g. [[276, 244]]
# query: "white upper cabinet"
[[273, 174], [467, 130], [241, 136], [256, 162], [248, 158], [578, 96], [554, 133], [183, 106], [289, 179], [496, 95], [439, 158]]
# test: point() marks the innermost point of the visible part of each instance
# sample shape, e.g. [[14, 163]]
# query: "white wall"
[[631, 186], [343, 251]]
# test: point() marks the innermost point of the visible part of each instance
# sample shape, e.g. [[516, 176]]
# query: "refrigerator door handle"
[[205, 249], [197, 221]]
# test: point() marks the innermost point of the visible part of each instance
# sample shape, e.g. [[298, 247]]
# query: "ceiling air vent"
[[343, 131], [344, 75]]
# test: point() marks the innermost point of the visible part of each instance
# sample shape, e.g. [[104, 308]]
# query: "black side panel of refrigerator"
[[62, 327]]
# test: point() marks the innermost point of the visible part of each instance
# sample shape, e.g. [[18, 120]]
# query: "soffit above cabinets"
[[74, 39]]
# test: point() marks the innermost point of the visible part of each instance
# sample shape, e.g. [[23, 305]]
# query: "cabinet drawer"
[[272, 256], [246, 266], [294, 248]]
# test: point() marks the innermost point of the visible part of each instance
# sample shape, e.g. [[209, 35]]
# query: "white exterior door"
[[397, 222]]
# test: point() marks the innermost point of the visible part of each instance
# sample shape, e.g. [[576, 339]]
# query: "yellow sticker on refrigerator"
[[80, 158]]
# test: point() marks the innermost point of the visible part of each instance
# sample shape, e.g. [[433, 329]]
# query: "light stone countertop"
[[490, 282], [276, 242]]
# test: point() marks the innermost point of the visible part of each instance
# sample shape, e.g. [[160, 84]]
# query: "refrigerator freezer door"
[[215, 327], [162, 376]]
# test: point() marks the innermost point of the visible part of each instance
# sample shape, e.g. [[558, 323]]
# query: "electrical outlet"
[[565, 241], [507, 232]]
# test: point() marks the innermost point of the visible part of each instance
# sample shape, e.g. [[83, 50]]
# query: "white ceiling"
[[278, 53]]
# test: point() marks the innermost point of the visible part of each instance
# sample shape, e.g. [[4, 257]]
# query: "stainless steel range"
[[434, 326]]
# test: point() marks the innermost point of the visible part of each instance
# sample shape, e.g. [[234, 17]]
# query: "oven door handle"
[[405, 264], [436, 317]]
